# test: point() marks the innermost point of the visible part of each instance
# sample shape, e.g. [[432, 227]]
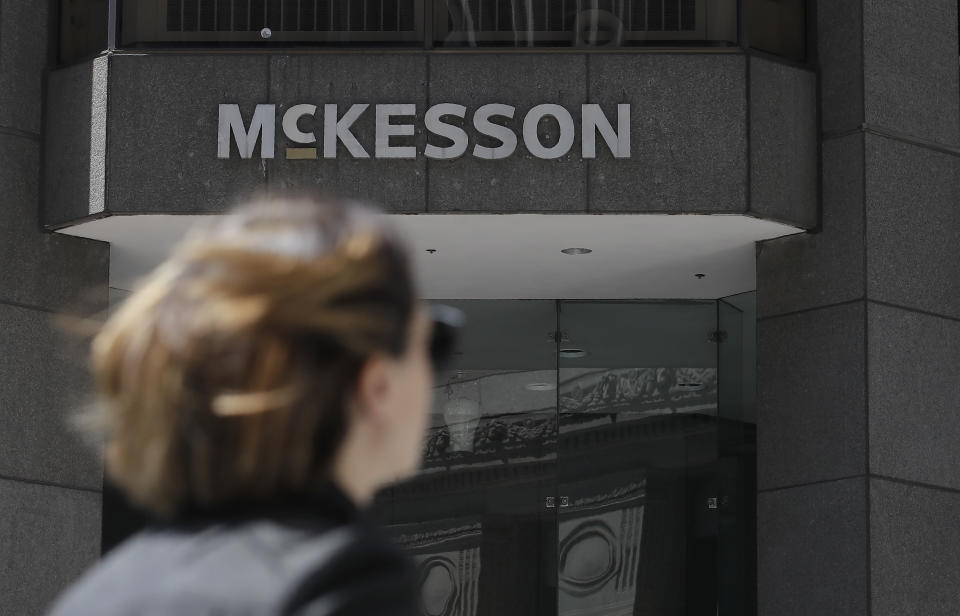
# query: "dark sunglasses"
[[447, 323]]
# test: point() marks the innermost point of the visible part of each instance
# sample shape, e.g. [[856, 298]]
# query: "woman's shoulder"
[[271, 565]]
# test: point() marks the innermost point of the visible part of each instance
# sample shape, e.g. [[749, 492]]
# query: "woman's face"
[[412, 393]]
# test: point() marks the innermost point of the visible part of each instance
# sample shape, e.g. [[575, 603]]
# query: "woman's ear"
[[371, 394]]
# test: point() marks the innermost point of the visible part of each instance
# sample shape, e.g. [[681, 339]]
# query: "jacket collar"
[[328, 502]]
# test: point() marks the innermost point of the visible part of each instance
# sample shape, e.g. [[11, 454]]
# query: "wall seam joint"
[[770, 317], [807, 484], [894, 135], [23, 134], [48, 484]]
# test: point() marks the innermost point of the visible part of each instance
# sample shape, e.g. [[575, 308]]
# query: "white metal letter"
[[532, 140], [290, 128], [593, 120], [263, 125], [334, 130], [385, 130], [455, 134], [507, 138]]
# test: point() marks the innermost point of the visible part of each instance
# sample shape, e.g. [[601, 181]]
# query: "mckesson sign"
[[444, 120]]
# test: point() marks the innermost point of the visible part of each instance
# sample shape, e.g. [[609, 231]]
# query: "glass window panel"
[[778, 27], [453, 23], [83, 28]]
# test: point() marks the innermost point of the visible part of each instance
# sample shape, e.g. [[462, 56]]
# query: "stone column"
[[859, 333], [49, 482]]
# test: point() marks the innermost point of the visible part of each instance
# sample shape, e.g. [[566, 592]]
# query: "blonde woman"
[[257, 389]]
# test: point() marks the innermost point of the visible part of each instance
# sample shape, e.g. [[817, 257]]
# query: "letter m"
[[264, 122]]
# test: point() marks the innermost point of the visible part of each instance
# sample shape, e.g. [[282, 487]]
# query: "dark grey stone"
[[688, 133], [816, 269], [912, 223], [50, 535], [812, 550], [19, 180], [162, 132], [810, 400], [915, 563], [521, 182], [56, 272], [395, 184], [783, 143], [911, 81], [43, 386], [75, 142], [913, 361], [23, 58], [42, 269], [840, 48]]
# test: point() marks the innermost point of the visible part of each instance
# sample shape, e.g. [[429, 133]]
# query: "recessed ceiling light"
[[576, 251], [699, 275], [572, 353], [541, 386]]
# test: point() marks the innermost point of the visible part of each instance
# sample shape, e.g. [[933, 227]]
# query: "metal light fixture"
[[576, 251]]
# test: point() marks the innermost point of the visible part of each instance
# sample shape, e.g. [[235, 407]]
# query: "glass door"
[[479, 517], [588, 458], [737, 469], [637, 454]]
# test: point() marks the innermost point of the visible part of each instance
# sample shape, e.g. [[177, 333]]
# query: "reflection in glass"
[[475, 517], [584, 23], [609, 482]]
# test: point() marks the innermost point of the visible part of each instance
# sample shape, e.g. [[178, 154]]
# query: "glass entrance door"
[[477, 517], [587, 458], [637, 450]]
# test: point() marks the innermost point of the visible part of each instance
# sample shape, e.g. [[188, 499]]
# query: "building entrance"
[[588, 458]]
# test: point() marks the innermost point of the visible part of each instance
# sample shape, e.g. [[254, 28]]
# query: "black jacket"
[[313, 556]]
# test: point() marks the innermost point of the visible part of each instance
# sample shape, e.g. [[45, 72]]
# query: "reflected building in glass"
[[598, 471]]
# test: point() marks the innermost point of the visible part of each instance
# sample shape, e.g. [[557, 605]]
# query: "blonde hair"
[[224, 377]]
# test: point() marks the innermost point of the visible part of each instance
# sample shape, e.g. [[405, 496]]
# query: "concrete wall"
[[49, 482], [859, 337], [710, 133]]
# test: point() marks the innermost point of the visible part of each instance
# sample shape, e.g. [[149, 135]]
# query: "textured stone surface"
[[397, 185], [49, 535], [42, 269], [521, 182], [75, 142], [43, 384], [810, 399], [688, 133], [913, 361], [783, 143], [812, 550], [55, 271], [913, 220], [23, 57], [840, 48], [810, 270], [162, 131], [910, 68], [19, 178], [915, 563]]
